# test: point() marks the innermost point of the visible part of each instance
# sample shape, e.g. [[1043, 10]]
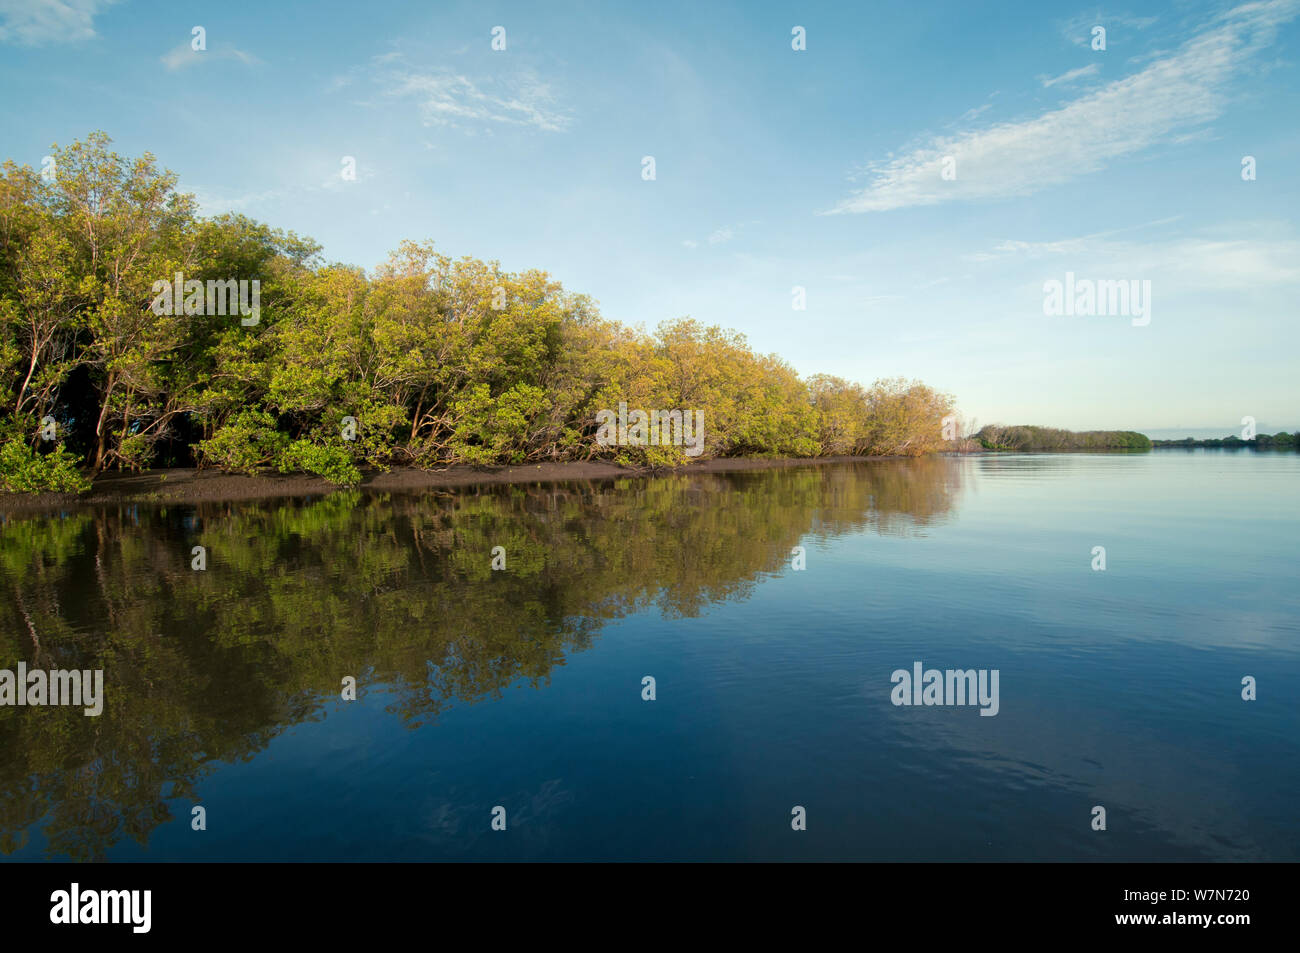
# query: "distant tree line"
[[1278, 441], [1026, 438], [430, 360]]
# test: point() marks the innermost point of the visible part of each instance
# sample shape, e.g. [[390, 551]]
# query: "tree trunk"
[[100, 433]]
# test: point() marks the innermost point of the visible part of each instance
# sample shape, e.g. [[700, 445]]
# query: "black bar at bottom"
[[341, 902]]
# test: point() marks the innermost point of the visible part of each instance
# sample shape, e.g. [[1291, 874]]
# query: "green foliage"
[[893, 417], [1278, 441], [244, 444], [497, 428], [26, 470], [438, 360], [331, 461], [1025, 439]]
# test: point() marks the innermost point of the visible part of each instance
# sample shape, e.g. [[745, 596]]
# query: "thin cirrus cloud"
[[214, 203], [720, 235], [1195, 263], [1162, 103], [975, 112], [318, 177], [41, 22], [448, 98], [1071, 76]]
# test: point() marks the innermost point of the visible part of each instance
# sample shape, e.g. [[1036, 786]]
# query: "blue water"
[[1119, 688]]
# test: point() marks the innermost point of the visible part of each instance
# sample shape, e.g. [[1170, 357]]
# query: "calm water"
[[523, 688]]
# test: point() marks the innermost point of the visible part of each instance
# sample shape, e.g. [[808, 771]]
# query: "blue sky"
[[775, 168]]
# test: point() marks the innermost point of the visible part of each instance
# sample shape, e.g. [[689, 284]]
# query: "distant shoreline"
[[1279, 441]]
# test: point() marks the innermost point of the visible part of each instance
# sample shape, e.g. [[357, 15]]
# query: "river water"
[[520, 695]]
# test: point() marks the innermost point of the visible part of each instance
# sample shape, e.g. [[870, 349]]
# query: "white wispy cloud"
[[314, 178], [1167, 99], [215, 203], [1195, 262], [1069, 77], [720, 235], [183, 55], [38, 22], [448, 98]]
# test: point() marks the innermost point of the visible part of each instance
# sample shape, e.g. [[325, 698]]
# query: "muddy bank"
[[207, 486]]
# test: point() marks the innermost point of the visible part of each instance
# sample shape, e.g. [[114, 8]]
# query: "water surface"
[[523, 688]]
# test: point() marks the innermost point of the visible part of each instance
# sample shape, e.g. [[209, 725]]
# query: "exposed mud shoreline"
[[209, 486]]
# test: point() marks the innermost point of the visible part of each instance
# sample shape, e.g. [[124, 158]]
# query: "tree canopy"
[[434, 360], [1024, 438]]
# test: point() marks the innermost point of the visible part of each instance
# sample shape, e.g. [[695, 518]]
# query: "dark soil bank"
[[205, 486]]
